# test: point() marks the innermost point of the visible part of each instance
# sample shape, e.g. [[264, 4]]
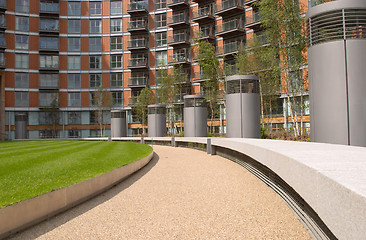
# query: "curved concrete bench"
[[29, 212], [325, 183]]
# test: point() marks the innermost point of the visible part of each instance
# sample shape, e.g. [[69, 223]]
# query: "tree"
[[285, 29], [212, 71], [143, 100], [102, 102]]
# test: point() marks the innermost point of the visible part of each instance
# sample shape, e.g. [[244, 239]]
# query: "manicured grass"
[[32, 168]]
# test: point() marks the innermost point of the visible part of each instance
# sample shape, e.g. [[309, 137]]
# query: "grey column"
[[118, 123], [156, 120], [195, 116]]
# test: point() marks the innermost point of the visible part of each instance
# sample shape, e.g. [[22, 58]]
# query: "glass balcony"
[[49, 25], [204, 14], [49, 7], [179, 38], [48, 99], [230, 7], [140, 43], [138, 25], [48, 83], [137, 81], [206, 32], [179, 19], [138, 62], [140, 6], [179, 58], [177, 3], [233, 26], [252, 19]]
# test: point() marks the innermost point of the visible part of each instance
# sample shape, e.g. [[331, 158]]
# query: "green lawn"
[[32, 168]]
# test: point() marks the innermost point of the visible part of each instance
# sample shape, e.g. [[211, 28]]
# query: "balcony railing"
[[230, 48], [200, 76], [140, 43], [182, 37], [204, 33], [178, 58], [137, 81], [181, 18], [137, 6], [254, 18], [138, 62], [203, 13], [49, 84], [262, 39], [49, 7], [230, 6], [49, 26], [176, 3], [138, 25], [230, 26]]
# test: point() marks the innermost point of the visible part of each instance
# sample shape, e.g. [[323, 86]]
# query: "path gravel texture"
[[181, 194]]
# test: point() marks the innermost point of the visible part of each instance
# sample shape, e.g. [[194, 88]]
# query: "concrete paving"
[[181, 194]]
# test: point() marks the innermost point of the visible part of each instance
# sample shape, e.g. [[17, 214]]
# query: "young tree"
[[54, 115], [102, 102], [212, 71], [286, 31], [143, 100]]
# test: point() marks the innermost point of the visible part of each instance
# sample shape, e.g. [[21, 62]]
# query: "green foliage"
[[143, 100], [31, 168], [164, 91], [181, 134]]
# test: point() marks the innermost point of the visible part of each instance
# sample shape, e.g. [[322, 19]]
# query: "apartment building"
[[57, 56]]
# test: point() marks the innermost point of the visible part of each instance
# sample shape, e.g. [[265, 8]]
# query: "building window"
[[73, 44], [116, 43], [21, 80], [116, 61], [95, 26], [21, 99], [160, 39], [95, 80], [74, 8], [48, 25], [95, 8], [48, 81], [21, 23], [95, 44], [116, 80], [73, 26], [48, 6], [48, 99], [116, 7], [47, 118], [160, 4], [22, 6], [21, 42], [73, 81], [48, 61], [2, 40], [160, 20], [48, 43], [117, 98], [74, 118], [116, 25], [73, 62], [95, 132], [21, 61], [73, 99], [95, 62], [74, 133], [161, 58]]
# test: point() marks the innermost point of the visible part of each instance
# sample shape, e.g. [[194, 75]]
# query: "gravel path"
[[181, 194]]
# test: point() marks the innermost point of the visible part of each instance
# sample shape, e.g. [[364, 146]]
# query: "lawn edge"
[[24, 214]]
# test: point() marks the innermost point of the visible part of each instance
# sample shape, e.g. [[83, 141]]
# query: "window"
[[21, 23], [48, 25], [116, 61], [95, 8], [160, 39], [21, 99], [2, 20], [48, 81], [117, 98], [73, 81], [161, 58], [74, 8], [46, 118], [73, 99], [2, 40], [73, 44], [74, 118], [116, 7], [95, 80], [116, 80], [21, 41], [95, 26], [160, 4], [48, 61], [116, 25], [74, 133], [48, 6], [22, 6], [95, 132], [21, 80], [95, 44], [160, 20], [73, 62], [49, 43], [48, 99], [73, 26], [116, 43], [21, 61], [95, 62]]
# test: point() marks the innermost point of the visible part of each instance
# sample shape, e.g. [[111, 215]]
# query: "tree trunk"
[[294, 122]]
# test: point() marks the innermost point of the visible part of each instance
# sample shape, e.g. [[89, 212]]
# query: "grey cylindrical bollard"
[[195, 116], [242, 106], [21, 123], [336, 57]]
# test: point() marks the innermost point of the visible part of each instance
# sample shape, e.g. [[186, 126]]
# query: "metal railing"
[[179, 18], [139, 24], [49, 7], [137, 81], [180, 37], [173, 2], [137, 43], [203, 12], [138, 62], [254, 18], [234, 24], [227, 4], [136, 6]]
